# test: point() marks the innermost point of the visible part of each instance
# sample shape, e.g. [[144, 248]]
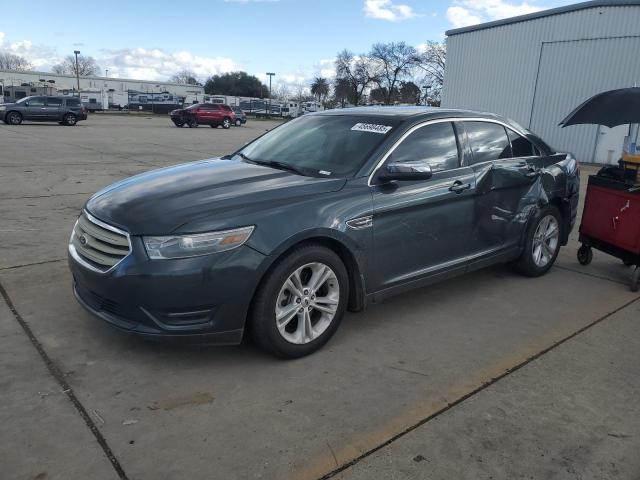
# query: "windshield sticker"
[[371, 127]]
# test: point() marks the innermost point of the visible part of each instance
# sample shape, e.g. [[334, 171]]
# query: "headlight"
[[183, 246], [2, 108]]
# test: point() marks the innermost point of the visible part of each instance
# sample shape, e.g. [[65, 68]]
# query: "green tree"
[[239, 84], [410, 93], [320, 88]]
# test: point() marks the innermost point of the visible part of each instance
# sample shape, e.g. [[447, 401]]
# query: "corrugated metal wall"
[[497, 69]]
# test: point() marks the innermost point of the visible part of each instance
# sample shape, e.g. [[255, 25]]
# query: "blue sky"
[[297, 39]]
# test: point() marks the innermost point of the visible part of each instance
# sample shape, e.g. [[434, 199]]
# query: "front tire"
[[542, 243], [192, 123], [238, 122], [301, 302], [226, 123], [14, 118]]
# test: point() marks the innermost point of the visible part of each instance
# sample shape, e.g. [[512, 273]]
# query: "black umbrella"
[[612, 108]]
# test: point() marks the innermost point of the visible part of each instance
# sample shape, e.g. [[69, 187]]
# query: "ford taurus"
[[332, 211]]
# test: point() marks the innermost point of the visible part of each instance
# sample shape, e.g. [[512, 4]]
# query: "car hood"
[[202, 196]]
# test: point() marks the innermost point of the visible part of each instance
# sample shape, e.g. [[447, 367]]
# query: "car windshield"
[[336, 145], [22, 100], [191, 107]]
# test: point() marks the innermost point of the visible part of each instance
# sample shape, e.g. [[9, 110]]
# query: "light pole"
[[77, 52], [426, 94], [271, 74]]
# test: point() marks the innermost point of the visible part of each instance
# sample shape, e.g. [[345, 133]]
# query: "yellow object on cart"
[[635, 160]]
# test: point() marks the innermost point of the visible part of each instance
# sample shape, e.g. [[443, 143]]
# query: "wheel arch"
[[8, 112], [346, 252]]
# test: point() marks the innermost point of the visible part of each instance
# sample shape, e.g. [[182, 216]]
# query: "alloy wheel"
[[307, 303], [545, 241]]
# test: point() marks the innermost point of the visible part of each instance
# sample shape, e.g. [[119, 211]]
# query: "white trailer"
[[94, 100], [290, 109], [118, 100]]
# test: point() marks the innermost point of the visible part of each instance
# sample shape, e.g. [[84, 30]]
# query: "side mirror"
[[420, 170]]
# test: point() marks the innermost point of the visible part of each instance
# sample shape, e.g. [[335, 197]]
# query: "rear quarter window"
[[73, 102]]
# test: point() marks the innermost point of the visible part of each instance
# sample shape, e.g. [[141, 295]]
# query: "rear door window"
[[488, 141]]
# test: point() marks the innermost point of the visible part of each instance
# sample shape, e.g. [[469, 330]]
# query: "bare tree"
[[9, 61], [185, 76], [358, 71], [432, 62], [87, 66], [395, 60], [281, 91]]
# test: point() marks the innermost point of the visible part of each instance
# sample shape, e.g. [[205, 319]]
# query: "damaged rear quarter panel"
[[512, 192]]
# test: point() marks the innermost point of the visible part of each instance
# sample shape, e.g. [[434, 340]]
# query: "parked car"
[[212, 114], [331, 211], [64, 110], [241, 117]]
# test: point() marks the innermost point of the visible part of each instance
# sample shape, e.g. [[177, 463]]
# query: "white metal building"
[[537, 68], [10, 78]]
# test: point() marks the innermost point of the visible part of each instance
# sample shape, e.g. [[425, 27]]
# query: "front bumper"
[[203, 298]]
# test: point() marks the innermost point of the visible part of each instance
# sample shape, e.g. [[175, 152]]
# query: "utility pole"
[[271, 74], [77, 52]]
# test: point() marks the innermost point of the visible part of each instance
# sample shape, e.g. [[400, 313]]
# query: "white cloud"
[[461, 17], [250, 1], [387, 10], [157, 64], [472, 12], [40, 56]]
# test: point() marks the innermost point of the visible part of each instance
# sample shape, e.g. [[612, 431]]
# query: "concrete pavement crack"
[[66, 388], [474, 392]]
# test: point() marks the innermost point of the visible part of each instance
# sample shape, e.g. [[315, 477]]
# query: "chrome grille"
[[98, 245]]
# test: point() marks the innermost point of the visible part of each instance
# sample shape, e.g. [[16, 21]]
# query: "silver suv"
[[64, 110]]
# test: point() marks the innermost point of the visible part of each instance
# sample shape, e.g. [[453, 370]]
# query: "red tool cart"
[[611, 221]]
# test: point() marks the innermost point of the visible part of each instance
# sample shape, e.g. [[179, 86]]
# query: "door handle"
[[459, 187]]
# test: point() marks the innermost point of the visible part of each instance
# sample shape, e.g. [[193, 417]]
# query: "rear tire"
[[69, 119], [292, 338], [13, 118], [542, 243]]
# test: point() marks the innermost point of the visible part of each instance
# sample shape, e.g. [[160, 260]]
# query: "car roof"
[[406, 112]]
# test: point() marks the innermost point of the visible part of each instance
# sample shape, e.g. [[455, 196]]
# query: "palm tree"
[[320, 88]]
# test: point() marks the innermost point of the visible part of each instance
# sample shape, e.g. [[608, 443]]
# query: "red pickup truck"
[[212, 114]]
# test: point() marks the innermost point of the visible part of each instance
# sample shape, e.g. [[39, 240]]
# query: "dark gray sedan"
[[64, 110], [332, 211]]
